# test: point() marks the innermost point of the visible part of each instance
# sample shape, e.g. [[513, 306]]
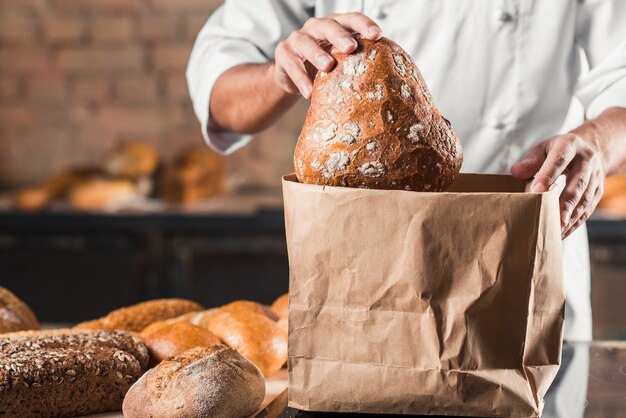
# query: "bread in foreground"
[[201, 383], [15, 315], [372, 123], [137, 317], [68, 374]]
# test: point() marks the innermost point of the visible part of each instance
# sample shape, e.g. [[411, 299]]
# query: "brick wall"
[[79, 76]]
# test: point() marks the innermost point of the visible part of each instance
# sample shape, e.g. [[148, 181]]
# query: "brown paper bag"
[[424, 303]]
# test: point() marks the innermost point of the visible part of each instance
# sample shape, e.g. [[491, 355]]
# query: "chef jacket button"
[[496, 123], [503, 16], [380, 12]]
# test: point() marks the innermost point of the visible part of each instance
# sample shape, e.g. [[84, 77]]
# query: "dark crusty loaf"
[[15, 315], [214, 382], [68, 374], [136, 317], [372, 124]]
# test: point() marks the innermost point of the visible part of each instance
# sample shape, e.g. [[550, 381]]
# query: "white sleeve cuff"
[[220, 56]]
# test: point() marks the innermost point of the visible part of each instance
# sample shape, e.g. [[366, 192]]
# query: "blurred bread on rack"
[[103, 194], [131, 160], [613, 202], [194, 175]]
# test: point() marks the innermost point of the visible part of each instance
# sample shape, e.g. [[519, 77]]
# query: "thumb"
[[528, 166]]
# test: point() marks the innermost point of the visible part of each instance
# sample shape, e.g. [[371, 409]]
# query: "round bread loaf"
[[372, 123], [174, 339], [215, 382], [135, 159], [281, 306], [246, 305], [15, 315], [255, 336]]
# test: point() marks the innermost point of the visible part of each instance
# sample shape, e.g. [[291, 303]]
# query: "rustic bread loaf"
[[247, 305], [15, 315], [215, 382], [68, 374], [201, 319], [174, 339], [195, 175], [137, 317], [372, 123], [132, 160], [255, 336], [102, 194], [281, 306]]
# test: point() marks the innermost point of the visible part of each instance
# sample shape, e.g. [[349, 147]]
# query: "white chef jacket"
[[504, 72]]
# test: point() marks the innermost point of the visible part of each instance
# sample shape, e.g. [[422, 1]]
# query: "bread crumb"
[[371, 146], [358, 95], [346, 84], [354, 66], [372, 168], [407, 187], [398, 63], [414, 133], [405, 91], [375, 95], [427, 187]]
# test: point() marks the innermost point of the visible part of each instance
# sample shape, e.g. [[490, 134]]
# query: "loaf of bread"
[[201, 319], [174, 339], [15, 315], [247, 305], [201, 383], [195, 175], [372, 123], [68, 374], [57, 186], [281, 306], [255, 336], [132, 160], [103, 194], [137, 317]]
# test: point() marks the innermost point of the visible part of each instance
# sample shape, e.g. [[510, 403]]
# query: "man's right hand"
[[308, 45]]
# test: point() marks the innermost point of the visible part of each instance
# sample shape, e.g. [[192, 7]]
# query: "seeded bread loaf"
[[215, 382], [15, 315], [372, 123], [137, 317], [68, 374], [255, 336]]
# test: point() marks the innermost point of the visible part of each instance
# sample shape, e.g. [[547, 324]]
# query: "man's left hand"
[[582, 163]]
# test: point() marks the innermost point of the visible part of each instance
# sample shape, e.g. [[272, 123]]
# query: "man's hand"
[[583, 164], [306, 45]]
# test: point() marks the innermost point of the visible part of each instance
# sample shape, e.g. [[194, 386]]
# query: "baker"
[[533, 88]]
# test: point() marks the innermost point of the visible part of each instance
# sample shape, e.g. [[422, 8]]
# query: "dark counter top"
[[591, 383]]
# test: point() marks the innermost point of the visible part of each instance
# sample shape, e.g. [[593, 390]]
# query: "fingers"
[[531, 163], [359, 23], [290, 71], [560, 154], [306, 46], [577, 194], [587, 204], [308, 49], [329, 31], [576, 223]]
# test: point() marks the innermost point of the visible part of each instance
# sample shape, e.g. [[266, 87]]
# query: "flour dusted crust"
[[213, 382], [372, 124]]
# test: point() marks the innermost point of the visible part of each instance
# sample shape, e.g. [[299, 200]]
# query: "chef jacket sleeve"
[[239, 32], [601, 32]]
